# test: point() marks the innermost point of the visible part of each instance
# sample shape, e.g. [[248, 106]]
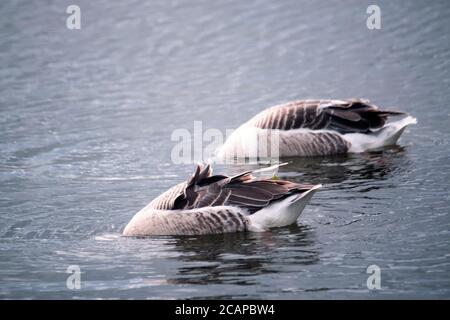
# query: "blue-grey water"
[[86, 118]]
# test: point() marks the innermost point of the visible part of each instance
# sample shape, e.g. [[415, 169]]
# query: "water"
[[85, 125]]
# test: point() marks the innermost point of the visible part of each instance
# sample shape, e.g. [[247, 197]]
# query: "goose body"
[[214, 204], [315, 128]]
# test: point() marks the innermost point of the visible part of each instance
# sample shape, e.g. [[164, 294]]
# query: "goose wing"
[[173, 198], [343, 116], [241, 190]]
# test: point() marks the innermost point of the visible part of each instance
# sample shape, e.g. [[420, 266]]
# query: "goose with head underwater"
[[315, 128], [214, 204]]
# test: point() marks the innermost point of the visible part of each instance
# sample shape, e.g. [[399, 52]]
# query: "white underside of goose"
[[384, 137], [281, 209], [311, 128], [281, 213]]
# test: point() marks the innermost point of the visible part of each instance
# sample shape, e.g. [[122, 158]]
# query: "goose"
[[315, 128], [215, 204]]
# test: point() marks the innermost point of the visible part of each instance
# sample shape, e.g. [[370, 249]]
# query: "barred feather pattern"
[[166, 200], [311, 143], [343, 116], [209, 220]]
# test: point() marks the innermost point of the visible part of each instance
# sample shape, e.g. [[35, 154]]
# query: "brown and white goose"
[[214, 204], [315, 128]]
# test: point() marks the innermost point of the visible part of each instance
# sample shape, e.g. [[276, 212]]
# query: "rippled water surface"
[[86, 118]]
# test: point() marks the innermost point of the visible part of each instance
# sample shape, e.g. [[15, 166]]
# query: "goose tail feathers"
[[283, 212], [390, 134], [386, 136]]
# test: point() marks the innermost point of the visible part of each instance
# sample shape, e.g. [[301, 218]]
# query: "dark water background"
[[85, 123]]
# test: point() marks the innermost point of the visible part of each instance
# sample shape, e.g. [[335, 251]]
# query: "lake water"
[[86, 118]]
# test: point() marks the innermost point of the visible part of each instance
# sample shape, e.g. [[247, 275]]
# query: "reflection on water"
[[360, 167], [374, 165], [230, 258]]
